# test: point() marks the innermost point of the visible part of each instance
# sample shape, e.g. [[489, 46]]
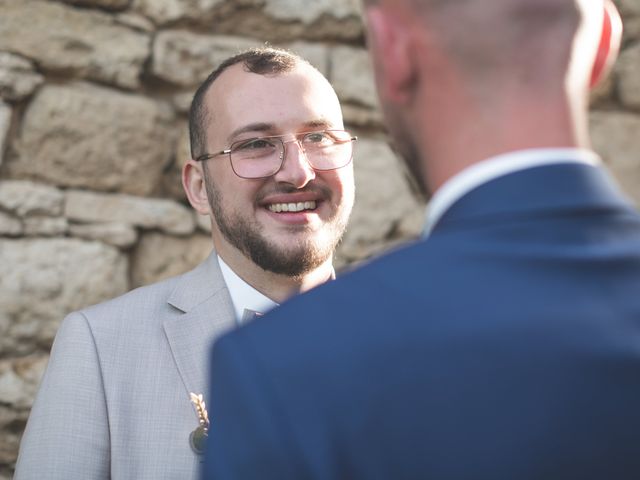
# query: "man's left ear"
[[390, 47], [609, 46]]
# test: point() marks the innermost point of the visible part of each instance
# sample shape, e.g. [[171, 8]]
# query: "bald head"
[[530, 40], [501, 74]]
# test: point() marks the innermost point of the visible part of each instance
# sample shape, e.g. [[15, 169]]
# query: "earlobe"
[[194, 186], [390, 46], [609, 46]]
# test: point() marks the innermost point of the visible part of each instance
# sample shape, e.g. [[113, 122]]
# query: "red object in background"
[[609, 43]]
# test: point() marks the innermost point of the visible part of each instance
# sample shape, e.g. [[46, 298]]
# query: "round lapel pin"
[[198, 437]]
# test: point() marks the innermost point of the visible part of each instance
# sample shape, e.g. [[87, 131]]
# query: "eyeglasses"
[[263, 157]]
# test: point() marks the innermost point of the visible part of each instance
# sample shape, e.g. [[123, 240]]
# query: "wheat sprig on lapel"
[[201, 409]]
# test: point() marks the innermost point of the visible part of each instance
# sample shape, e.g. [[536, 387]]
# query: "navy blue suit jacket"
[[505, 346]]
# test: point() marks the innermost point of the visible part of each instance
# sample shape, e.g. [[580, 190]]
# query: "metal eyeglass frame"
[[297, 138]]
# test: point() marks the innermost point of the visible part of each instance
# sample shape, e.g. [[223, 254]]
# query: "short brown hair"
[[261, 60]]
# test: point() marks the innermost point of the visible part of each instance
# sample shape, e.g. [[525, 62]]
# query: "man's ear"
[[609, 46], [390, 44], [194, 186]]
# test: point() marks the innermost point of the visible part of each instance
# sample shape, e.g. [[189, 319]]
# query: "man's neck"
[[274, 286], [487, 129]]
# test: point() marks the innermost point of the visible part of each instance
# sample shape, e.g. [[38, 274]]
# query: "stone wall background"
[[93, 102]]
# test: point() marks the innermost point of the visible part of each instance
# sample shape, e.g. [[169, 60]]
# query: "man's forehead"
[[239, 97], [238, 80]]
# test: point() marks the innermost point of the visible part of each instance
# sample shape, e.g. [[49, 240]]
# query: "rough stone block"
[[24, 198], [136, 21], [183, 148], [172, 176], [20, 378], [5, 123], [149, 213], [85, 136], [45, 279], [84, 42], [317, 54], [362, 116], [603, 92], [628, 71], [290, 10], [352, 76], [181, 101], [12, 422], [45, 226], [9, 443], [288, 20], [10, 226], [385, 207], [117, 234], [631, 30], [165, 11], [629, 8], [204, 223], [186, 58], [8, 416], [18, 78], [615, 137], [160, 256], [106, 4]]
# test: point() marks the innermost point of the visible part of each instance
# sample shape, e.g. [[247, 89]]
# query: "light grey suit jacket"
[[114, 401]]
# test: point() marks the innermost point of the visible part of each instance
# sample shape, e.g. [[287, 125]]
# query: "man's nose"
[[296, 169]]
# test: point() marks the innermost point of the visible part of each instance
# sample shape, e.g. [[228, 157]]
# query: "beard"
[[248, 237]]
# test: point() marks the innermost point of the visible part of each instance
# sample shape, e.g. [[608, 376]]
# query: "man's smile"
[[292, 206]]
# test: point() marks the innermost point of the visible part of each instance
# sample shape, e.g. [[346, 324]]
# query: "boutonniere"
[[199, 435]]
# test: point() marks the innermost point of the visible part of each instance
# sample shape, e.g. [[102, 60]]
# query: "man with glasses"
[[125, 393]]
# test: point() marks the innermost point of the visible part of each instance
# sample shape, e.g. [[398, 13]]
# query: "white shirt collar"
[[243, 295], [477, 174]]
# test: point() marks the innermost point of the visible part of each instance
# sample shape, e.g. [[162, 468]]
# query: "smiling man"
[[272, 168], [124, 392]]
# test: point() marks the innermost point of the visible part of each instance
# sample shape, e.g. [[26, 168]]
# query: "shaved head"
[[485, 38], [474, 67]]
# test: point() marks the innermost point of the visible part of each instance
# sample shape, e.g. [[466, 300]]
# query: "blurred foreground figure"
[[124, 393], [506, 344]]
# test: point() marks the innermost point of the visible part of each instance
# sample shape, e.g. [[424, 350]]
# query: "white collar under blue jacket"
[[474, 176], [244, 296]]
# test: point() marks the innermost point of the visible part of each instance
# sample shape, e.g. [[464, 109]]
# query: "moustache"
[[321, 192]]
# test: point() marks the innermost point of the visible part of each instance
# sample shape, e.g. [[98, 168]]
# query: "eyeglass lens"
[[263, 157]]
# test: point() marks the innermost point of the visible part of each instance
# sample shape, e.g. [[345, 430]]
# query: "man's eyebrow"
[[252, 127], [270, 128], [321, 122]]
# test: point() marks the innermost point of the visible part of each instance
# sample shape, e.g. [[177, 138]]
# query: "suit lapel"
[[203, 296]]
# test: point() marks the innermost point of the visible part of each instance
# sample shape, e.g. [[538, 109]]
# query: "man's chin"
[[295, 265], [290, 259]]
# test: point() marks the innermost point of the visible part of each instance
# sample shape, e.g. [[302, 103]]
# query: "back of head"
[[463, 80], [527, 43]]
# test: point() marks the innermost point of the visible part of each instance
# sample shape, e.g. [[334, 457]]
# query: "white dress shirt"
[[243, 295], [482, 172]]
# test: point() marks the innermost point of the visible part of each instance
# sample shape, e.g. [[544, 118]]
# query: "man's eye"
[[319, 138], [255, 144]]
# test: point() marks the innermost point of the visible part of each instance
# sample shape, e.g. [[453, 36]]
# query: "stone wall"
[[93, 102]]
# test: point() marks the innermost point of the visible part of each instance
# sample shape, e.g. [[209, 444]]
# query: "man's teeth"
[[292, 207]]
